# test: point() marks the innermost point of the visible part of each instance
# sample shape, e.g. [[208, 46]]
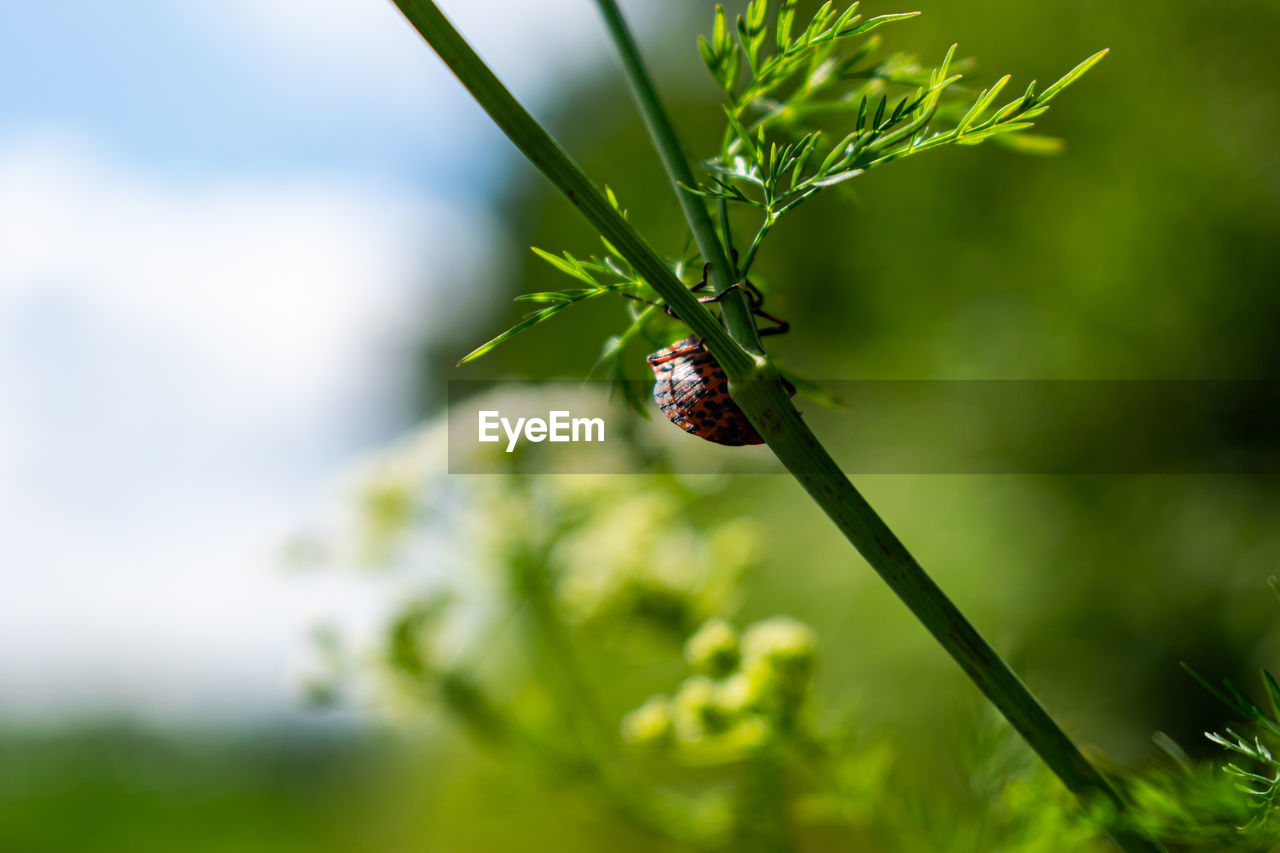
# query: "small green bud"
[[657, 603], [697, 710], [778, 657], [713, 650], [741, 694], [782, 643], [321, 693], [386, 507], [412, 636], [752, 731], [650, 724]]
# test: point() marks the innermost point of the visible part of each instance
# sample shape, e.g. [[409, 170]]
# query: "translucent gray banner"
[[888, 427]]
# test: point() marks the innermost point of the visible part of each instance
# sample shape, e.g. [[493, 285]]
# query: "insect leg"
[[706, 271], [781, 329], [648, 302]]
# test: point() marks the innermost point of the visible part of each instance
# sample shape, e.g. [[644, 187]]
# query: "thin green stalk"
[[722, 207], [578, 696], [737, 312], [765, 228], [755, 387]]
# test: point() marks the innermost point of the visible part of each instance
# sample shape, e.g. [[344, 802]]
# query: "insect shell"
[[693, 392]]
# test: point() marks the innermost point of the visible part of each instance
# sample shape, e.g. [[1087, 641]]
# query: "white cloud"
[[286, 287], [359, 45], [184, 364]]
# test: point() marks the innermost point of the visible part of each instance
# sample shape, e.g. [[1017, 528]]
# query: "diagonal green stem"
[[755, 388]]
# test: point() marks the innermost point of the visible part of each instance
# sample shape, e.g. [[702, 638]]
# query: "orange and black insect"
[[692, 390]]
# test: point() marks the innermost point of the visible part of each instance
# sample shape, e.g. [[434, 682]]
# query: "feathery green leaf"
[[1071, 76]]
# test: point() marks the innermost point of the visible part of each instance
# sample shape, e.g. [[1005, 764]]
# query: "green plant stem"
[[722, 207], [737, 313], [755, 387], [567, 176], [765, 228]]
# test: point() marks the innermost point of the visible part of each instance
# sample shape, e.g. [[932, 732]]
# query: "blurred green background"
[[1148, 250]]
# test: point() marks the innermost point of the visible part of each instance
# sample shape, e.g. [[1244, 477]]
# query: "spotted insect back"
[[692, 390]]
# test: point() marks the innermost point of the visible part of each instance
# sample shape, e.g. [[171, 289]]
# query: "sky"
[[223, 229]]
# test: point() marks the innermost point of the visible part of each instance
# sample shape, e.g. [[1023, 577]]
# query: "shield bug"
[[692, 390]]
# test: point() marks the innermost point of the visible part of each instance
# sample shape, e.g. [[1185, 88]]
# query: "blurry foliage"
[[1199, 808], [599, 594], [744, 696], [1229, 804], [1251, 764], [118, 789], [596, 595]]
